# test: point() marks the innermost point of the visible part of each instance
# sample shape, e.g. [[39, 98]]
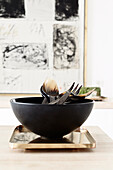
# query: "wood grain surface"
[[100, 158]]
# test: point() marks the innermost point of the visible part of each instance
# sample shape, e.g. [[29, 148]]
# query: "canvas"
[[38, 40]]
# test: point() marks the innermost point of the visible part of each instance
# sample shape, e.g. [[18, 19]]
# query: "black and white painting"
[[66, 10], [25, 56], [40, 39], [11, 81], [65, 47], [12, 9], [25, 31]]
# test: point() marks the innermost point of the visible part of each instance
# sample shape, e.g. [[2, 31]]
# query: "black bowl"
[[51, 121]]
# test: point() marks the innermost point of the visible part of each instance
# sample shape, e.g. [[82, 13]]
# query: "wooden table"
[[5, 101], [100, 158]]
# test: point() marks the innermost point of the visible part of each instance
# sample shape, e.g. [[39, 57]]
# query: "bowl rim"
[[13, 100]]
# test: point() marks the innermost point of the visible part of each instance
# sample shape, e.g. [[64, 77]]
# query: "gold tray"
[[22, 138]]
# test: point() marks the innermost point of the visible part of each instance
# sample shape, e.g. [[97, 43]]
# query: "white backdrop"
[[100, 45]]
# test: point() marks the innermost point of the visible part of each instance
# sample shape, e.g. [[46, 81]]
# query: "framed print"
[[41, 39]]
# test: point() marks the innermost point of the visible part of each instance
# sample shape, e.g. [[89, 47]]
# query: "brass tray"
[[22, 138]]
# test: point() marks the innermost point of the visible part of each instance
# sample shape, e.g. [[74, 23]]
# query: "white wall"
[[102, 118], [100, 45]]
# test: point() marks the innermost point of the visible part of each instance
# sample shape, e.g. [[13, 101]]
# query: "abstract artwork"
[[12, 80], [40, 39], [25, 56], [65, 47], [12, 8], [66, 10]]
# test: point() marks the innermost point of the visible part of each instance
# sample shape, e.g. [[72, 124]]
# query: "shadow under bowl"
[[51, 121]]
